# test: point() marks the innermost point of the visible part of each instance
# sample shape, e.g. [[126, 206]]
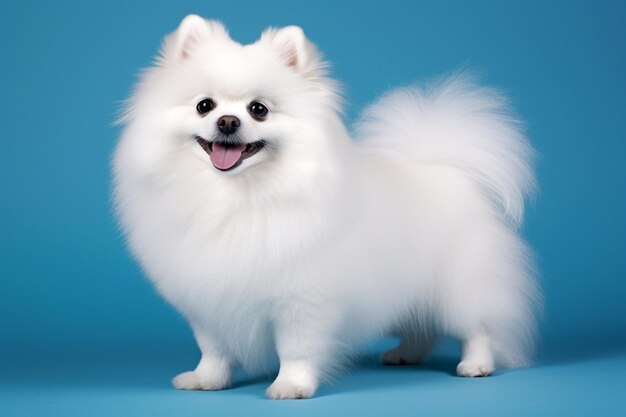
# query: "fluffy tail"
[[458, 123]]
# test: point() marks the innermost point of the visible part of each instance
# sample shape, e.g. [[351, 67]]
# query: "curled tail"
[[460, 124]]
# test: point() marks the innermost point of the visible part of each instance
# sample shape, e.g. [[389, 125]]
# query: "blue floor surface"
[[582, 384]]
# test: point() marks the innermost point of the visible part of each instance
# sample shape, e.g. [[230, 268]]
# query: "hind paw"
[[400, 356], [470, 368]]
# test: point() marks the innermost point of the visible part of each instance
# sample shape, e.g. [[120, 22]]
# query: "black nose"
[[228, 124]]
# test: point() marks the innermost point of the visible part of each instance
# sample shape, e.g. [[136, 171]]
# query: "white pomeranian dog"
[[286, 244]]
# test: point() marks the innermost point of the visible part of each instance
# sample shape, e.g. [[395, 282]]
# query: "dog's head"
[[234, 106]]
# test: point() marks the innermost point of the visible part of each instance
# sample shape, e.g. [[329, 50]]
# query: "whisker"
[[269, 144]]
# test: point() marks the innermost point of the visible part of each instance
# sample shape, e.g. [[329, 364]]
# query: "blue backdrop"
[[76, 313]]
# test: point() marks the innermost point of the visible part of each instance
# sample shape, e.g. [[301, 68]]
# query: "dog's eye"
[[258, 110], [205, 106]]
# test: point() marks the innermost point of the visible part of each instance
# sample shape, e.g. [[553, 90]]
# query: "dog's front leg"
[[306, 347]]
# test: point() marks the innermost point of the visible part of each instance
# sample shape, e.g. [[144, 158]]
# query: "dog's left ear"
[[293, 48]]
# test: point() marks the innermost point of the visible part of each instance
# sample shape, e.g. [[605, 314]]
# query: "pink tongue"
[[225, 157]]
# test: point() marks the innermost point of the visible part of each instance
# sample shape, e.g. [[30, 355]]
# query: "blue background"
[[83, 333]]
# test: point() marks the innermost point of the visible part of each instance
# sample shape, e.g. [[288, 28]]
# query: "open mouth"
[[226, 156]]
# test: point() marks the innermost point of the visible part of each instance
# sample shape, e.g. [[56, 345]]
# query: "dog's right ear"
[[191, 34]]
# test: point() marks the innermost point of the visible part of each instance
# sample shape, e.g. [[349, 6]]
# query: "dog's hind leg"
[[415, 345]]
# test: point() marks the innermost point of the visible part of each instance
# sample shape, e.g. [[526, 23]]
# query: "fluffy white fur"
[[320, 242]]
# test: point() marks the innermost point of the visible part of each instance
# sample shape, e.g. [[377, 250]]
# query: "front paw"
[[194, 380], [284, 389]]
